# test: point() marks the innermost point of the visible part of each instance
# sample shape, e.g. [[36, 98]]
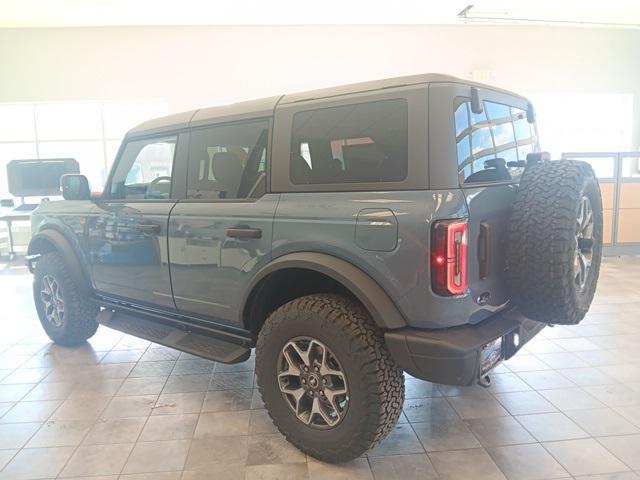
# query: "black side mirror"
[[531, 113], [476, 101], [75, 187]]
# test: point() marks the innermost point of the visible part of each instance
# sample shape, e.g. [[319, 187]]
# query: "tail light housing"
[[449, 245]]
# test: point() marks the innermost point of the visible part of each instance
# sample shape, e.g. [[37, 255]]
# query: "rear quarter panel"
[[325, 222]]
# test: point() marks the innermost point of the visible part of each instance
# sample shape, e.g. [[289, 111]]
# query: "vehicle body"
[[213, 219]]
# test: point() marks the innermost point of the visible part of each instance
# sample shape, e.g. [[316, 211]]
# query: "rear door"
[[220, 235], [491, 150]]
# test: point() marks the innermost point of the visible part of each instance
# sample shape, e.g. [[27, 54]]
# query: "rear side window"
[[360, 143], [228, 161], [493, 145]]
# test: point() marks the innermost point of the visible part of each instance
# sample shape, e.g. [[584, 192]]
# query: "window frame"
[[177, 190], [269, 123], [416, 97]]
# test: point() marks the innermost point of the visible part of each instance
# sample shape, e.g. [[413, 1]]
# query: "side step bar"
[[195, 343]]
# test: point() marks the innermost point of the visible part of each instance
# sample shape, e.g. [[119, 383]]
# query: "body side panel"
[[126, 260], [210, 270], [326, 223]]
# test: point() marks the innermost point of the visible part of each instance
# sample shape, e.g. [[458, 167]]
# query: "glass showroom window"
[[89, 132]]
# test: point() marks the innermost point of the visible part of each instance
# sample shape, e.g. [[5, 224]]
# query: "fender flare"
[[382, 309], [64, 247]]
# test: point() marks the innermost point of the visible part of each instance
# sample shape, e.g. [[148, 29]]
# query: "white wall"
[[200, 66]]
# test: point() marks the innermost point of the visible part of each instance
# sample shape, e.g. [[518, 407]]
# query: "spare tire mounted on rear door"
[[555, 241]]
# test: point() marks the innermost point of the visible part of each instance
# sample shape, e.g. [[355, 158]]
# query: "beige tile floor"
[[567, 406]]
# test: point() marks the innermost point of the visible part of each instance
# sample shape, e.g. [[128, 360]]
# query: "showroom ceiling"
[[83, 13]]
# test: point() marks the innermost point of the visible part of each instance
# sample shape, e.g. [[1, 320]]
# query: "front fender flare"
[[63, 246], [382, 309]]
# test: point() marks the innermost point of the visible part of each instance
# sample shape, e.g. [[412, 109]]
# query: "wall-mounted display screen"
[[31, 178]]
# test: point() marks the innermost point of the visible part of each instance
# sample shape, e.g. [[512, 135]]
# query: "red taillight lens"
[[449, 240]]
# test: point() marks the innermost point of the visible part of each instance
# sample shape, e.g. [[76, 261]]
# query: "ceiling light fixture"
[[501, 16]]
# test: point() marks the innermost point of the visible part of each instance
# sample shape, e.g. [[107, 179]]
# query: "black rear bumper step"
[[452, 356], [197, 343]]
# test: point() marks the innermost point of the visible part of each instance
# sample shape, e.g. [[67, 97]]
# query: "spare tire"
[[555, 241]]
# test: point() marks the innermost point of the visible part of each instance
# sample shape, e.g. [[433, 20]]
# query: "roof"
[[264, 107], [225, 113]]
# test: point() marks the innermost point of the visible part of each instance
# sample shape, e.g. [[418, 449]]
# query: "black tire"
[[78, 322], [376, 384], [543, 242]]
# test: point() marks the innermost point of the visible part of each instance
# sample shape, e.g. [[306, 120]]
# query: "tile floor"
[[567, 406]]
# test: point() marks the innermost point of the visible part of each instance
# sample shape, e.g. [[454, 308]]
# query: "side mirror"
[[75, 187], [476, 102], [531, 113]]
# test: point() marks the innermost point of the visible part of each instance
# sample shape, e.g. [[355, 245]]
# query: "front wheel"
[[326, 377], [67, 316]]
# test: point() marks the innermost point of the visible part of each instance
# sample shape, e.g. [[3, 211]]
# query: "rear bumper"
[[452, 355]]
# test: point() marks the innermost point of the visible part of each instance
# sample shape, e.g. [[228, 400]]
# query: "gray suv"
[[347, 234]]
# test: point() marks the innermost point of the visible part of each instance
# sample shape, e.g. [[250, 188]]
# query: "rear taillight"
[[449, 240]]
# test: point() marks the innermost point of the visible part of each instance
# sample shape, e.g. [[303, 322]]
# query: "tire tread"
[[384, 380]]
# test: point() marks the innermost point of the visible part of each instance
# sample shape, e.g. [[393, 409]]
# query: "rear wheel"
[[67, 316], [555, 242], [326, 377]]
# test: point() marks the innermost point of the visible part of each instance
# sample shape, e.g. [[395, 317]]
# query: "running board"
[[195, 343]]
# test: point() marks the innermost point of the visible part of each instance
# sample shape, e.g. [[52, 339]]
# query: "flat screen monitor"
[[33, 178]]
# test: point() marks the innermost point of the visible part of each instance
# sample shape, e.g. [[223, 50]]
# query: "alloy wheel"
[[53, 301], [584, 242], [313, 382]]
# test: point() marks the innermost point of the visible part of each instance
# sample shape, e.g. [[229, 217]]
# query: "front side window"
[[365, 142], [492, 146], [228, 161], [144, 170]]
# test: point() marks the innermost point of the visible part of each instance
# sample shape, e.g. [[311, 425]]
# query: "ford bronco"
[[347, 234]]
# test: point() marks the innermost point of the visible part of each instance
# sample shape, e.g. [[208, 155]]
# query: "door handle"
[[244, 232], [148, 228]]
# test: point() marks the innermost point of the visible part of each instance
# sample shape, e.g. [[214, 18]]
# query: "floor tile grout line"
[[80, 444], [586, 474], [151, 413], [612, 453]]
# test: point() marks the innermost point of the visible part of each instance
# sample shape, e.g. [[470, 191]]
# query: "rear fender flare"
[[382, 309]]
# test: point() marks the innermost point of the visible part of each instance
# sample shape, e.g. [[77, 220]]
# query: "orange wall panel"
[[630, 195], [608, 192], [607, 227], [629, 225]]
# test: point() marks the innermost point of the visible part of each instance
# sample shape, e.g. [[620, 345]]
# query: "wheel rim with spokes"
[[313, 382], [584, 242], [53, 301]]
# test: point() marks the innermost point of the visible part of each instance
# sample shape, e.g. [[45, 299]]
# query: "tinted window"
[[228, 161], [366, 142], [144, 170], [492, 146]]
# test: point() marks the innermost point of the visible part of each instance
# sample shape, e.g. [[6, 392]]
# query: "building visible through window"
[[492, 145]]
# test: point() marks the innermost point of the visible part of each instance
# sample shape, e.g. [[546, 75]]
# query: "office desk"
[[9, 219]]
